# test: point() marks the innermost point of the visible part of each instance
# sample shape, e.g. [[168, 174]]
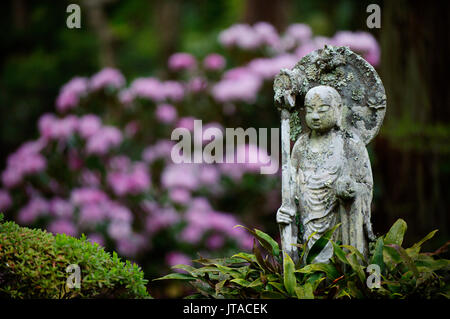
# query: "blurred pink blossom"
[[166, 113], [161, 149], [161, 218], [119, 229], [214, 62], [181, 61], [62, 226], [88, 125], [97, 238], [70, 93], [173, 90], [197, 84], [215, 241], [36, 207], [87, 195], [362, 42], [61, 208], [26, 160], [5, 200], [174, 258], [180, 195], [108, 77], [103, 140], [180, 175]]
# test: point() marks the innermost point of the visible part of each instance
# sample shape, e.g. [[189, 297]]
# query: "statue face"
[[320, 115], [322, 103]]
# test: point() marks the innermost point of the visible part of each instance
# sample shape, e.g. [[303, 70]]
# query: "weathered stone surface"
[[342, 103]]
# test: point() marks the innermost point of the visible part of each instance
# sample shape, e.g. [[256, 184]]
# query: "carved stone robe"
[[314, 178]]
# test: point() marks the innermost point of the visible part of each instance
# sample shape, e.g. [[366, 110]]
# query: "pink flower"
[[176, 258], [197, 84], [166, 113], [267, 68], [92, 213], [209, 174], [5, 200], [267, 34], [186, 122], [63, 226], [180, 195], [35, 208], [180, 175], [173, 90], [131, 245], [119, 229], [88, 125], [108, 77], [96, 238], [239, 84], [25, 161], [103, 140], [215, 241], [61, 208], [90, 178], [299, 32], [240, 35], [131, 179], [160, 218], [131, 129], [214, 62], [181, 61], [362, 42], [70, 93], [150, 88], [162, 148], [87, 195]]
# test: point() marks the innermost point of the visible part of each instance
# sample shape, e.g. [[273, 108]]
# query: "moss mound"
[[33, 264]]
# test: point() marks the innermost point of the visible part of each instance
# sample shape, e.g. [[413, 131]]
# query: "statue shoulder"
[[300, 142]]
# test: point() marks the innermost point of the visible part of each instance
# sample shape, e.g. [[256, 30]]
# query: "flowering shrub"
[[101, 164]]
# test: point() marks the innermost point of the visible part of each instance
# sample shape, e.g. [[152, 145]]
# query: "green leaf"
[[377, 257], [178, 276], [219, 285], [289, 275], [396, 233], [248, 257], [415, 249], [272, 242], [406, 259], [320, 244], [241, 282], [357, 268], [256, 283], [230, 271], [263, 241], [305, 291], [187, 268], [278, 286], [328, 269], [340, 254]]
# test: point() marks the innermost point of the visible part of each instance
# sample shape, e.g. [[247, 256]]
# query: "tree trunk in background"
[[274, 12], [167, 15], [413, 150], [19, 13], [99, 22]]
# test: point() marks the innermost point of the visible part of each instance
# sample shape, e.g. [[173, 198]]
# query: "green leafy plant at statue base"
[[404, 273], [33, 264]]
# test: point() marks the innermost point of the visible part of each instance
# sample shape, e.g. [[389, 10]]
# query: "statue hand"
[[345, 188], [285, 215]]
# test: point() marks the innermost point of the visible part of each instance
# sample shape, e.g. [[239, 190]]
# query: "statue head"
[[323, 108]]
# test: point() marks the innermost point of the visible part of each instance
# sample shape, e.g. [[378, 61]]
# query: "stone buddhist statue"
[[327, 174]]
